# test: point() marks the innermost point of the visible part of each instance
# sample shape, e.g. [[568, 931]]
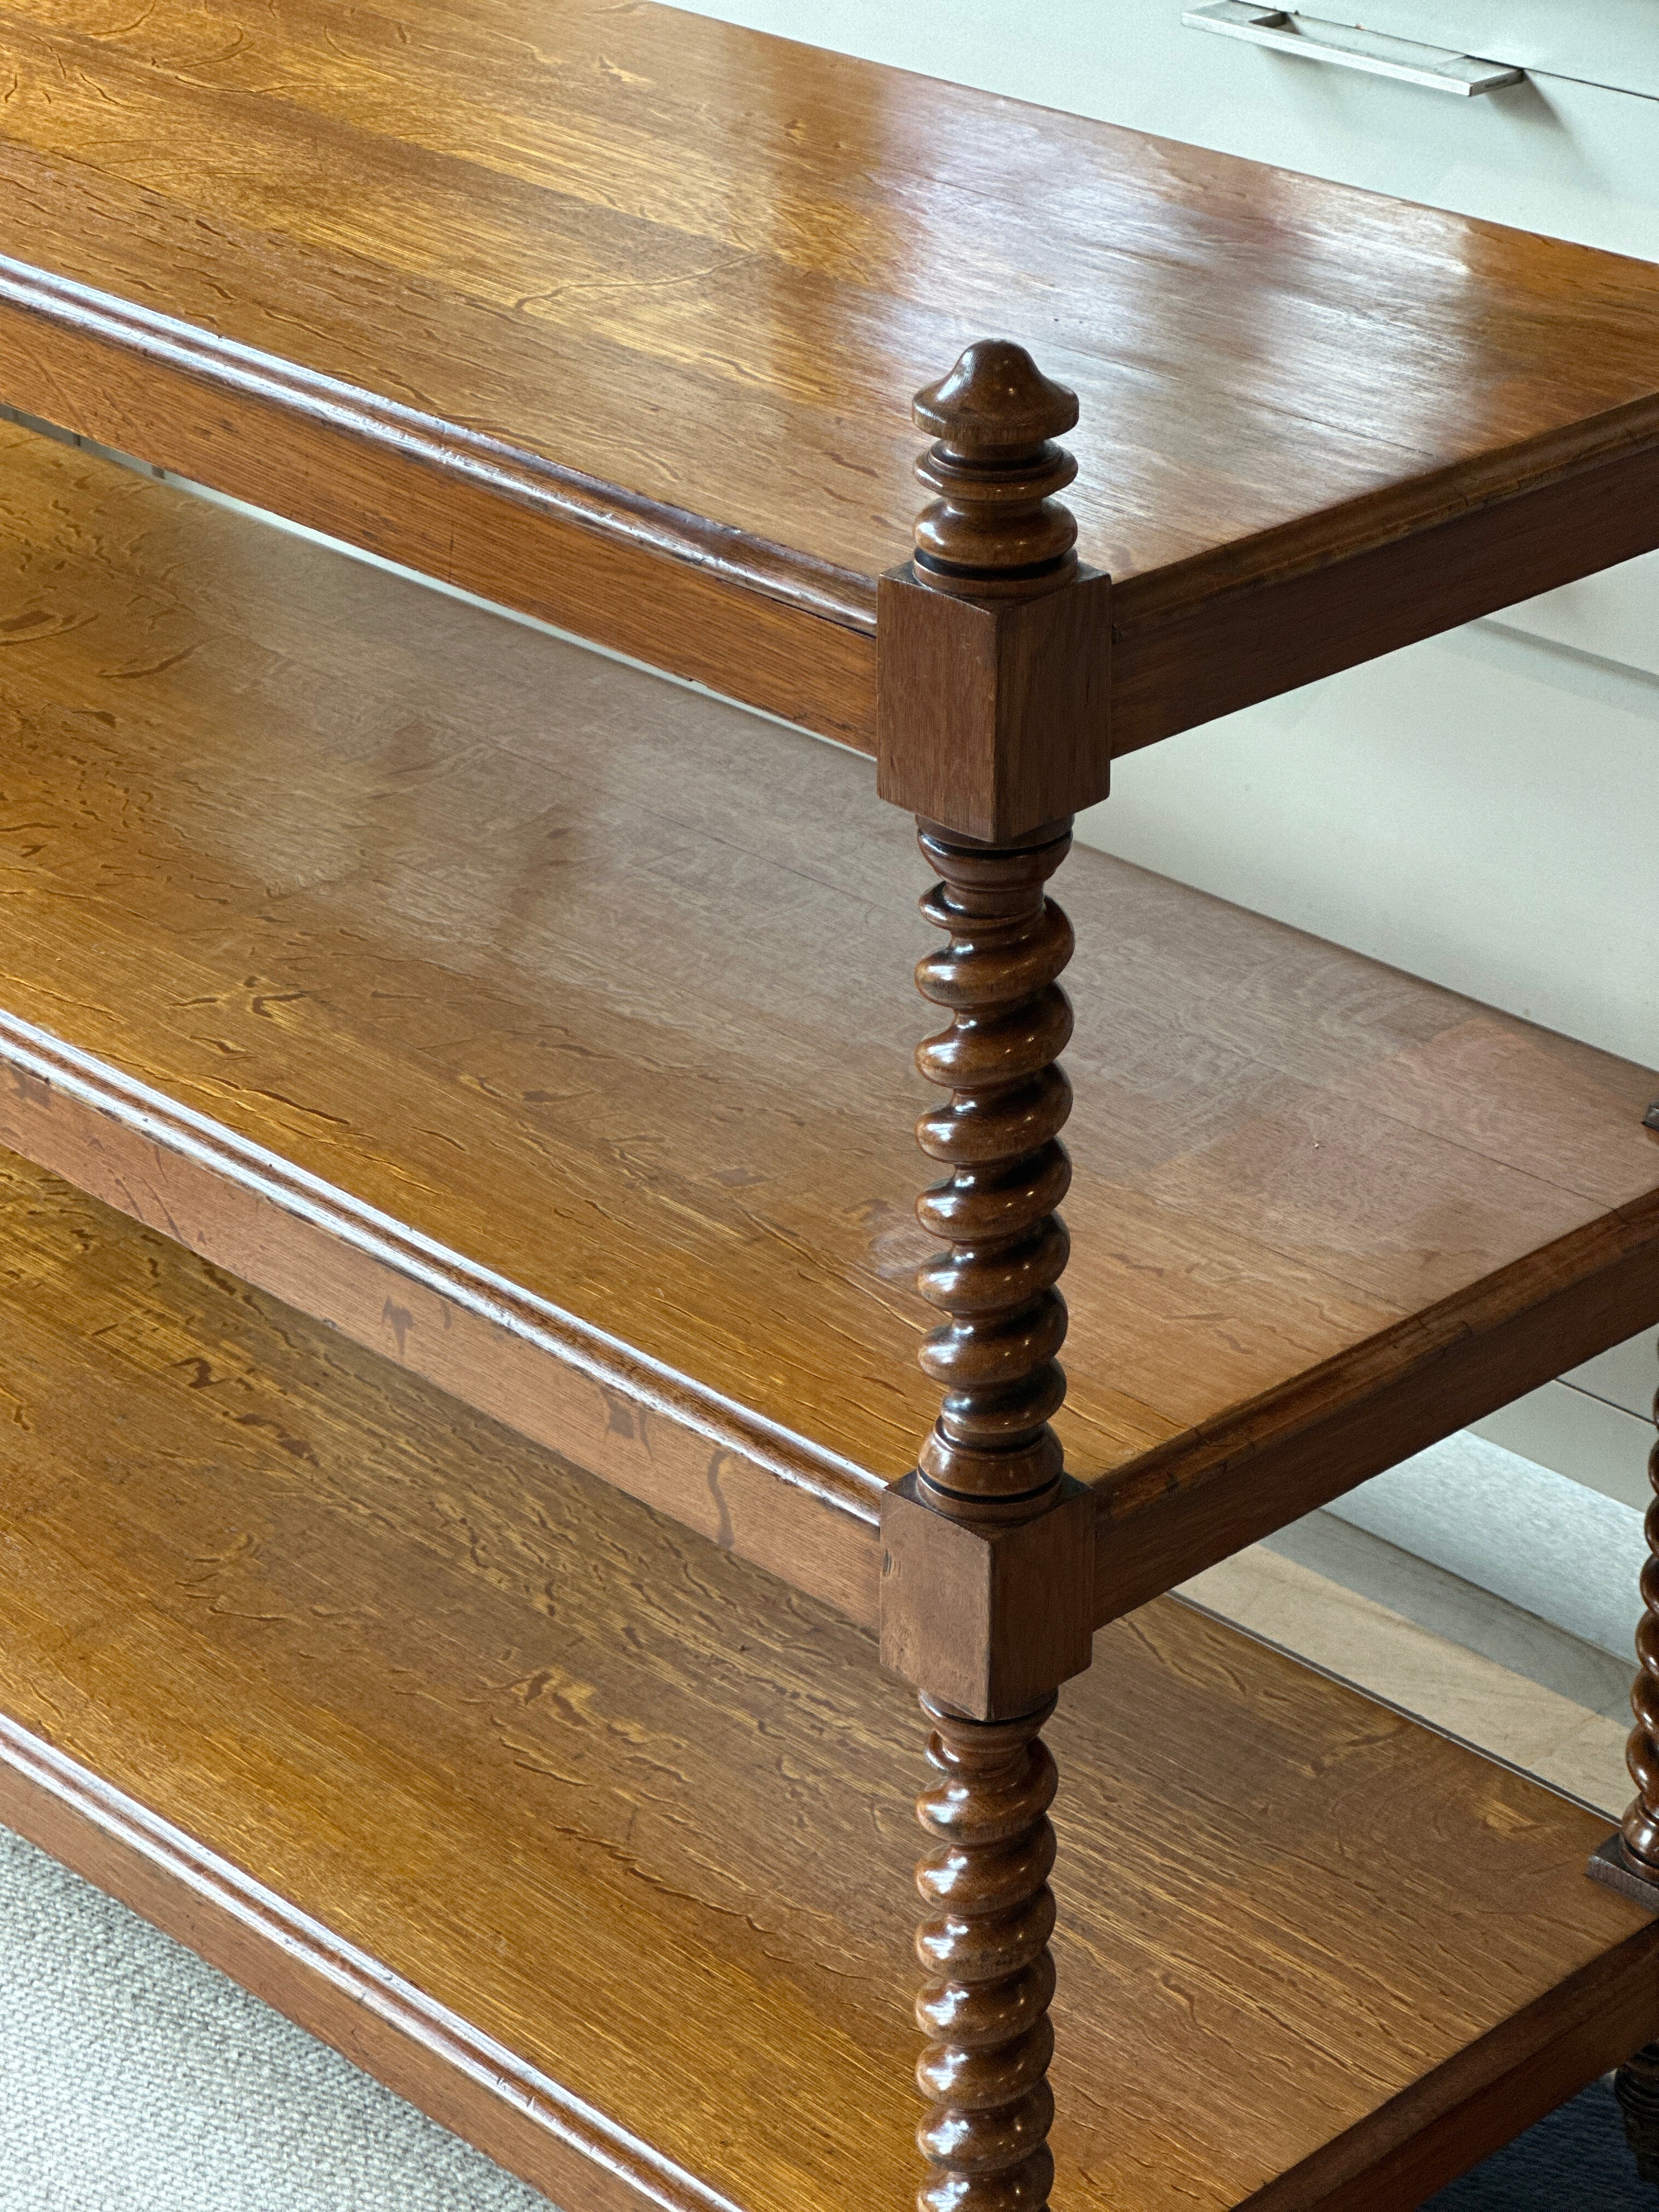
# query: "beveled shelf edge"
[[1492, 2091], [671, 532], [773, 626], [765, 625], [1202, 1496], [466, 2080], [748, 1484], [1226, 630], [458, 2076]]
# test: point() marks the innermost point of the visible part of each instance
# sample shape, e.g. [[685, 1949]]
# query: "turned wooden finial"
[[992, 643], [993, 527]]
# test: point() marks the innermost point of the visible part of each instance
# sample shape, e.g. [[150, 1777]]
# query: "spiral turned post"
[[993, 533], [985, 1948], [993, 526], [1639, 1829], [1636, 2085], [992, 1453]]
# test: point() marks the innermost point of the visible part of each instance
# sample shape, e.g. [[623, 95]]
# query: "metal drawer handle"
[[1350, 47]]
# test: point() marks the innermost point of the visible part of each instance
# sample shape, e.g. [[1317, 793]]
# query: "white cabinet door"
[[1560, 152], [1607, 42]]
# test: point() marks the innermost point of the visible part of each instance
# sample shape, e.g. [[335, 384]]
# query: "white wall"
[[1481, 809]]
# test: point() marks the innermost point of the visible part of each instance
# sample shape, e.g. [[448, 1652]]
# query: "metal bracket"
[[1611, 1866]]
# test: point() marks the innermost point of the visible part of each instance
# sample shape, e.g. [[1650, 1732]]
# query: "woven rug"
[[1574, 2161], [133, 2078]]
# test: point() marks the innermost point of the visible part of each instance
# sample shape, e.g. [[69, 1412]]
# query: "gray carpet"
[[1574, 2161], [135, 2079]]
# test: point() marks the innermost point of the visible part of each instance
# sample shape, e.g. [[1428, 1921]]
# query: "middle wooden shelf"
[[548, 1026]]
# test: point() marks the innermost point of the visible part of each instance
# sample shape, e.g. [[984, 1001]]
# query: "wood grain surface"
[[638, 1816], [615, 313], [592, 983]]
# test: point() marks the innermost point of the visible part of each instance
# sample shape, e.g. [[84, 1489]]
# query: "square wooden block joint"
[[1611, 1866], [988, 1616], [993, 716]]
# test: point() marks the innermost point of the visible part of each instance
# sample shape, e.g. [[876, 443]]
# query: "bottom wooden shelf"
[[597, 1842]]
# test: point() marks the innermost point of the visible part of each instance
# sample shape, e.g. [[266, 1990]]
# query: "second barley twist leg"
[[985, 1947], [1640, 1828], [1636, 2085], [1636, 2082]]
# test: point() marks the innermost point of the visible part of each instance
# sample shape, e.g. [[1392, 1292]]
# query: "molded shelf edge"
[[749, 1486]]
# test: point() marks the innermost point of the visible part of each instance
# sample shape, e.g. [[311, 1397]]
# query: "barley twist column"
[[1636, 2085], [988, 1542], [985, 1948], [992, 1456], [1640, 1828], [1636, 2082], [992, 1453]]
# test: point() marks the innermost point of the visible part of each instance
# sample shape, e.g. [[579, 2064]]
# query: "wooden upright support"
[[993, 654], [1639, 1832], [1629, 1861]]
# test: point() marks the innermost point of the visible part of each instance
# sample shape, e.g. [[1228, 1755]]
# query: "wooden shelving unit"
[[460, 1256]]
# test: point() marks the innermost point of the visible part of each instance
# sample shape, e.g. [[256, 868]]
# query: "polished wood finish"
[[612, 315], [482, 989], [988, 1614], [993, 717], [1639, 1829], [995, 648], [995, 526], [435, 1741], [991, 1974], [992, 1453], [1636, 2085], [967, 739]]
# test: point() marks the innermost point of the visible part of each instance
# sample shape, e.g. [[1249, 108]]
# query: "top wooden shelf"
[[614, 315]]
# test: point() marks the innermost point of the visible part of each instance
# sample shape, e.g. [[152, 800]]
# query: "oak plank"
[[280, 1613], [642, 300]]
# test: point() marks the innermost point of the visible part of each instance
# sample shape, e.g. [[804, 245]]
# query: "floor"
[[135, 2078], [1471, 1664]]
